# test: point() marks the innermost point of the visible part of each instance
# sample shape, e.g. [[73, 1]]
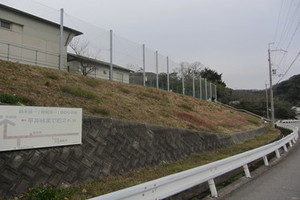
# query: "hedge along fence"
[[109, 147]]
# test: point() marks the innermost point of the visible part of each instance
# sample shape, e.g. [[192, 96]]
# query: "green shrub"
[[109, 94], [253, 121], [150, 95], [79, 92], [97, 110], [186, 107], [8, 98], [124, 90], [51, 75], [91, 82], [15, 99], [46, 193]]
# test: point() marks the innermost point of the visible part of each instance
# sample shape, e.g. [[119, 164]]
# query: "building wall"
[[30, 41], [102, 72]]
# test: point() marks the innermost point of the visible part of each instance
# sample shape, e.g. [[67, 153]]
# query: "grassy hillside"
[[38, 86]]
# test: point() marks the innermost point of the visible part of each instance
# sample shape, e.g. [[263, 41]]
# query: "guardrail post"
[[290, 143], [266, 161], [285, 148], [277, 153], [212, 187], [247, 172]]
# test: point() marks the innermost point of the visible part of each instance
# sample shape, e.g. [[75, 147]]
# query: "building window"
[[5, 24]]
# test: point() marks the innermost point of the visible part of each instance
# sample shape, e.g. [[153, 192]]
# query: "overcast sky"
[[229, 36]]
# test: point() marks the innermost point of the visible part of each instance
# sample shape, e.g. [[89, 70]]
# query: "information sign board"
[[26, 127]]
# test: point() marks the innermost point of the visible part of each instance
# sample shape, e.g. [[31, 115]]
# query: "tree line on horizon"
[[286, 96]]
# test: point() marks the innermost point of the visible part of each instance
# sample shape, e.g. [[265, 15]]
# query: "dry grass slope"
[[49, 87]]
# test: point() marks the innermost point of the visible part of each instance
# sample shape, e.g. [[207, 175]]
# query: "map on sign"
[[24, 127]]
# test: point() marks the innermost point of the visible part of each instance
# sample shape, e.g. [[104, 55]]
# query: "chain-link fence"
[[145, 66]]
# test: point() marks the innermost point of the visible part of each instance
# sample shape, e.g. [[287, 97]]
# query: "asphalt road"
[[279, 182]]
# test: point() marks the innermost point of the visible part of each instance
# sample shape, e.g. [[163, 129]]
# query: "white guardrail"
[[176, 183]]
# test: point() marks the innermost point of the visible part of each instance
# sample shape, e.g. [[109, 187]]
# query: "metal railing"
[[245, 111], [176, 183], [26, 55]]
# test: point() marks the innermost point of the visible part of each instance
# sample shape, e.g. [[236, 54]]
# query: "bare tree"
[[85, 58], [134, 67], [196, 66]]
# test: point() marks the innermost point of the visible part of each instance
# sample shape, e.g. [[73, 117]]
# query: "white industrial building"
[[297, 111], [101, 69], [29, 39]]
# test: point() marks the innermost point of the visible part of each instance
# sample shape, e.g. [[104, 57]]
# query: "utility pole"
[[267, 102], [271, 87]]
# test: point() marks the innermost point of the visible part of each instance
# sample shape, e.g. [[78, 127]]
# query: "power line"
[[285, 26], [278, 19], [287, 17], [289, 67], [288, 46], [291, 22], [292, 38]]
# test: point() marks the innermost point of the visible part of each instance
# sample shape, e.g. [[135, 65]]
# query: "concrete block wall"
[[109, 147]]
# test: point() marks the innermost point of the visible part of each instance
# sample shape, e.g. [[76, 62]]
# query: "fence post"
[[205, 84], [210, 91], [200, 87], [182, 74], [168, 75], [193, 82], [111, 74], [8, 47], [61, 41], [156, 58], [144, 65], [216, 94]]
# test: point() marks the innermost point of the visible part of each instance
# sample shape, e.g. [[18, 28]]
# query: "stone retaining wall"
[[109, 147]]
